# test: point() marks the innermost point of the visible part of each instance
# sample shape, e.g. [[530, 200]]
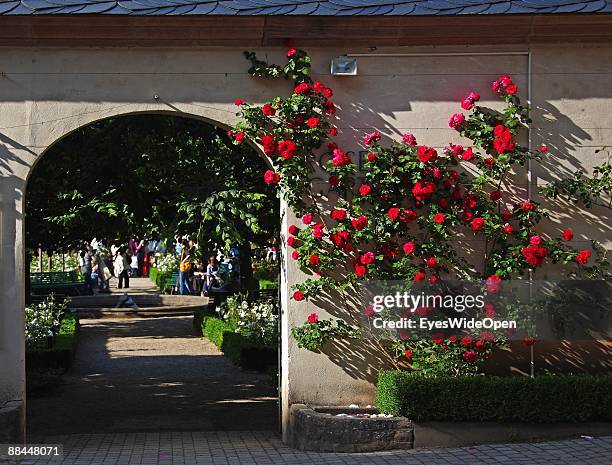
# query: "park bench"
[[171, 284], [57, 282]]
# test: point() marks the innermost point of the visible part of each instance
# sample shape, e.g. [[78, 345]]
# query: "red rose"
[[393, 213], [480, 346], [372, 138], [268, 110], [528, 341], [431, 262], [317, 230], [312, 122], [365, 189], [470, 356], [287, 149], [422, 190], [291, 241], [239, 137], [367, 258], [295, 255], [419, 276], [314, 260], [334, 180], [493, 284], [568, 235], [409, 139], [291, 52], [439, 218], [338, 215], [318, 87], [468, 154], [466, 216], [456, 121], [508, 229], [511, 89], [426, 154], [583, 257], [409, 248], [298, 295], [478, 224], [443, 203], [495, 195], [408, 215], [333, 131], [313, 318], [474, 96], [527, 206], [489, 161], [360, 270], [467, 104], [340, 158], [543, 148], [534, 255], [269, 144], [372, 157], [466, 341], [360, 223], [329, 107], [238, 102], [342, 240], [293, 230], [271, 178], [535, 240], [302, 88], [408, 354], [489, 310], [437, 338], [505, 216], [328, 93], [307, 218]]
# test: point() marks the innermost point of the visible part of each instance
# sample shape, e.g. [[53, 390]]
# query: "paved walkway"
[[137, 286], [261, 448], [154, 374]]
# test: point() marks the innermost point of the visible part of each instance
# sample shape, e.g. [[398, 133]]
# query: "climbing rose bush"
[[404, 218]]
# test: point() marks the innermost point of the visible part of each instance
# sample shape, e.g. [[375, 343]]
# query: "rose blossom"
[[314, 260], [372, 138], [468, 154], [466, 341], [338, 214], [298, 295], [307, 218], [439, 218], [393, 213], [293, 230], [365, 189], [291, 52], [493, 284], [287, 149], [534, 255], [340, 158], [508, 229], [360, 223], [495, 195], [535, 240], [271, 178], [408, 354], [268, 110], [367, 258], [302, 88], [372, 157], [409, 139], [568, 235], [318, 87], [470, 356], [291, 241], [360, 270], [583, 257], [489, 310], [369, 311], [478, 224], [543, 148], [238, 102], [334, 180], [431, 262], [426, 154], [333, 131], [313, 318], [317, 230], [419, 276], [409, 248], [422, 190], [456, 121], [528, 341], [295, 255], [312, 122]]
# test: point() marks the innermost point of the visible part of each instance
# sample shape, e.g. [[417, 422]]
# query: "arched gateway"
[[58, 73]]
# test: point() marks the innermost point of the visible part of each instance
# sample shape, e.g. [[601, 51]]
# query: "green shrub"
[[569, 398], [245, 352], [61, 355]]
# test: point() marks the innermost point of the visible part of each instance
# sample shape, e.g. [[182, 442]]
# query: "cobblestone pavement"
[[265, 448]]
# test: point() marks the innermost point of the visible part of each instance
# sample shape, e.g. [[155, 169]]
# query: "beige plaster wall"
[[47, 93]]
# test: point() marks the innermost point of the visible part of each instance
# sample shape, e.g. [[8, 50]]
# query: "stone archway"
[[17, 161]]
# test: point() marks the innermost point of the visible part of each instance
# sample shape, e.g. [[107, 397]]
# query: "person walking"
[[85, 262], [121, 267], [185, 269]]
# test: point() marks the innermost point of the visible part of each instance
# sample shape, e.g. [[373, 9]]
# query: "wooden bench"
[[62, 282]]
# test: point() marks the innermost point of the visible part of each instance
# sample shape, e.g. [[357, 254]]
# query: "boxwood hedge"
[[243, 351], [544, 399]]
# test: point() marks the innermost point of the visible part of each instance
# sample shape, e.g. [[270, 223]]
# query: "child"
[[133, 264]]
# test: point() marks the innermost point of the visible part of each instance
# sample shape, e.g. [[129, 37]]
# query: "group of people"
[[98, 268], [217, 274]]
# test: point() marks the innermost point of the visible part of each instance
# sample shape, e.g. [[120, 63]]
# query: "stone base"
[[319, 429], [12, 422]]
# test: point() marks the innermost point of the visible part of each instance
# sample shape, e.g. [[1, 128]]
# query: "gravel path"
[[141, 375]]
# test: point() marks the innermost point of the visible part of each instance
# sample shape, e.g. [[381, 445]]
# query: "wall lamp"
[[344, 66]]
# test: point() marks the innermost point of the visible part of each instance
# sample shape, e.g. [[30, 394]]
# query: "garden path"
[[155, 374]]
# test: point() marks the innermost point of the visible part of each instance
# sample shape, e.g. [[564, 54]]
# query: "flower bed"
[[545, 399], [246, 352], [61, 354]]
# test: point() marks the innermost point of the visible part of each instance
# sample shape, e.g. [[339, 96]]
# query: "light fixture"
[[344, 66]]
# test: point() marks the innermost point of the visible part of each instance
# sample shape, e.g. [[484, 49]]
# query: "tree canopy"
[[148, 176]]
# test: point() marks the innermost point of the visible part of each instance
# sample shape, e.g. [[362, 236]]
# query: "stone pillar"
[[12, 347]]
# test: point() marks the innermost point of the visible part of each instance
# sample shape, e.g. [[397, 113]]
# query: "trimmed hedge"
[[61, 355], [245, 352], [545, 399]]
